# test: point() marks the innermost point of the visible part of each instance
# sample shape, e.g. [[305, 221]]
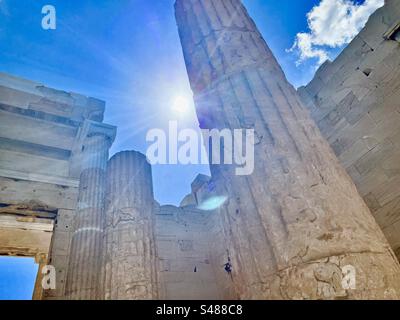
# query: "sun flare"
[[180, 105]]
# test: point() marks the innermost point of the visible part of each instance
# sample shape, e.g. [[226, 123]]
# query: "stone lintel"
[[34, 177], [90, 108], [35, 149]]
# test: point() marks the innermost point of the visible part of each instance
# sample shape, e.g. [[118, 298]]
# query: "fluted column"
[[129, 255], [83, 277], [292, 226]]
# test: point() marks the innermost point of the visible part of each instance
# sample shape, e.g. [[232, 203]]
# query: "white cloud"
[[332, 24]]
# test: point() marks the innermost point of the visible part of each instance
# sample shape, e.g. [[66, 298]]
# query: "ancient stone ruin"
[[326, 156]]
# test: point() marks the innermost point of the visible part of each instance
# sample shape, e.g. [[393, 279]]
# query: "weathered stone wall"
[[129, 265], [294, 223], [355, 101], [191, 247], [184, 246]]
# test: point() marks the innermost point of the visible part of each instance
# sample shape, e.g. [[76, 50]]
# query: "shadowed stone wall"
[[184, 243]]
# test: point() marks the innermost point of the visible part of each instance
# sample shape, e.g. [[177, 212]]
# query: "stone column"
[[296, 225], [83, 278], [129, 255]]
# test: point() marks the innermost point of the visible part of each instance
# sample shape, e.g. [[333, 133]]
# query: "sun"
[[181, 105]]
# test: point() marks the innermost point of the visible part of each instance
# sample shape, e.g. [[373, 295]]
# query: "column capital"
[[87, 130], [92, 128]]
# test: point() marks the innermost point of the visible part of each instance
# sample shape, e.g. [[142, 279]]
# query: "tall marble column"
[[83, 277], [296, 228], [129, 252]]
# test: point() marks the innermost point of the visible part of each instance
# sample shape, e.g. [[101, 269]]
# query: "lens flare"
[[213, 203]]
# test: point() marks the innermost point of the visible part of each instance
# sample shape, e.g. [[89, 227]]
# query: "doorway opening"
[[17, 277]]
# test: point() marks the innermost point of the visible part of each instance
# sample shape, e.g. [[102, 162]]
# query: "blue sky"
[[17, 278], [127, 52]]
